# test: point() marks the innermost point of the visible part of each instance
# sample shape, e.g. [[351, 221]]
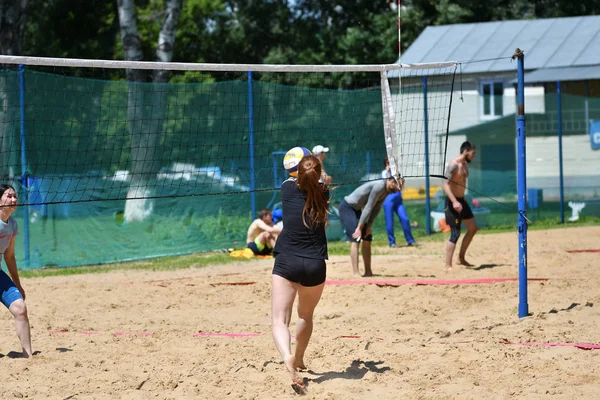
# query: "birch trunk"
[[12, 20], [12, 26], [145, 127]]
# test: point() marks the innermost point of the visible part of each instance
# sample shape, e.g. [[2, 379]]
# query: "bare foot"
[[297, 381], [449, 268], [464, 262], [299, 364], [367, 274]]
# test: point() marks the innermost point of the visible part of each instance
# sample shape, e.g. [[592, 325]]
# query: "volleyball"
[[292, 159]]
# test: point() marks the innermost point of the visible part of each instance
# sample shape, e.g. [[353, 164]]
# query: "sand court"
[[205, 332]]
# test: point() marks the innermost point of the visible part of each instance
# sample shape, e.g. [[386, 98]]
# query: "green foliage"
[[71, 28], [284, 31]]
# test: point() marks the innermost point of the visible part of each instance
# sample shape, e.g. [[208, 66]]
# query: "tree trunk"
[[166, 38], [12, 26], [5, 141], [132, 44], [145, 127], [135, 205], [12, 20]]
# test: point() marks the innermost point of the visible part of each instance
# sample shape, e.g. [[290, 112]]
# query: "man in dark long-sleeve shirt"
[[358, 211]]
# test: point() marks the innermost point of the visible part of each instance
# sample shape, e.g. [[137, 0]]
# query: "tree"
[[12, 27], [143, 133], [12, 20], [72, 29]]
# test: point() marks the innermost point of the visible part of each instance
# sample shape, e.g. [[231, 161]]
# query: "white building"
[[565, 50]]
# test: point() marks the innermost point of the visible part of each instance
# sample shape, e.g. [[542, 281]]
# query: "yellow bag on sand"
[[244, 253]]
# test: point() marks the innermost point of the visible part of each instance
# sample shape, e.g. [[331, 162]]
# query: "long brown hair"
[[317, 204]]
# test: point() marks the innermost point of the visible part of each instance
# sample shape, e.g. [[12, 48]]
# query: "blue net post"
[[251, 144], [426, 131], [522, 188], [560, 152], [24, 177], [277, 181]]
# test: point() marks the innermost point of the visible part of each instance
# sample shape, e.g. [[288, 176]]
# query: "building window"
[[492, 99]]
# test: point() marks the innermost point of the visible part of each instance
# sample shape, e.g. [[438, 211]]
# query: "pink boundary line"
[[118, 333], [372, 282], [428, 281], [583, 346], [146, 333]]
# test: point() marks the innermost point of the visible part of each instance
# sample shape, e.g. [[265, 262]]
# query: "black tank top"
[[295, 238]]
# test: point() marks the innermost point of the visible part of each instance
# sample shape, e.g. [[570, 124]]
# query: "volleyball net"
[[127, 149]]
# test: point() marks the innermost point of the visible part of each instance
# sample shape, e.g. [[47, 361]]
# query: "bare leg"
[[366, 250], [272, 239], [19, 310], [471, 230], [308, 298], [449, 254], [354, 258], [282, 300], [263, 238]]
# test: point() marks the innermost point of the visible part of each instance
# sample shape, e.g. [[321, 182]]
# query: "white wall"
[[535, 100], [581, 163], [466, 104], [578, 157]]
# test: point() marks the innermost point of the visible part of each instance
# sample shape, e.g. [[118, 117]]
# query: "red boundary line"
[[428, 281], [583, 346]]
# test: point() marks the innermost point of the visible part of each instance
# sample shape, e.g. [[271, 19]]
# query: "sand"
[[151, 334]]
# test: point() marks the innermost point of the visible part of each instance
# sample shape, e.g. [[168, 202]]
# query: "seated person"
[[262, 235]]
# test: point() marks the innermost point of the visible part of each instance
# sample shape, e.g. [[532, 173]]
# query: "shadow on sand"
[[357, 370], [487, 266]]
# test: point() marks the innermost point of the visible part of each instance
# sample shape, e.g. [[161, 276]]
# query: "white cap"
[[318, 149]]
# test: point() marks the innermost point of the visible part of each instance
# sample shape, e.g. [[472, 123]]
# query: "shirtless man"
[[262, 235], [456, 208]]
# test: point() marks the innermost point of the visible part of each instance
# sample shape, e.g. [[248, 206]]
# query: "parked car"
[[212, 177]]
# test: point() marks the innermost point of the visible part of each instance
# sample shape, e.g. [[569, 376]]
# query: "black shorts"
[[350, 217], [453, 217], [305, 271], [264, 252]]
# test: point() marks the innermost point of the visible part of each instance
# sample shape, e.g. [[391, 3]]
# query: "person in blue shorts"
[[299, 268], [13, 295], [393, 204]]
